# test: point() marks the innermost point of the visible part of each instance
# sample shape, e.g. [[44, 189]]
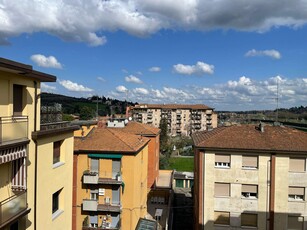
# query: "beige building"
[[181, 119], [110, 185], [35, 160], [250, 177]]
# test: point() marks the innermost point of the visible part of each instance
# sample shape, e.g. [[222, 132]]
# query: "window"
[[297, 164], [18, 103], [222, 161], [249, 219], [295, 222], [56, 151], [55, 201], [94, 194], [221, 189], [296, 193], [94, 221], [249, 162], [94, 165], [221, 218], [249, 191], [179, 183]]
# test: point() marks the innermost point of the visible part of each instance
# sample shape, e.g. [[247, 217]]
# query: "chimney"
[[261, 127]]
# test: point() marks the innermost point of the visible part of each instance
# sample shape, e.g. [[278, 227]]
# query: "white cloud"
[[269, 53], [121, 89], [133, 79], [71, 86], [155, 69], [101, 79], [47, 62], [199, 68], [86, 21], [141, 91], [47, 88]]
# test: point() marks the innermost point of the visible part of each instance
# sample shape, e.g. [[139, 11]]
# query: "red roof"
[[274, 138]]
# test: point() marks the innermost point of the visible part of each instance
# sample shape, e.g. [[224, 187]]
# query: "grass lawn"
[[181, 164]]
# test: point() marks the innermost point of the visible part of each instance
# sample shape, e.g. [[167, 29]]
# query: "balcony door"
[[18, 104], [115, 220], [94, 165], [115, 168], [116, 195]]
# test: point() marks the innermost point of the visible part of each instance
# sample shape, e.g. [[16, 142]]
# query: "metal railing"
[[55, 125], [12, 206], [13, 128]]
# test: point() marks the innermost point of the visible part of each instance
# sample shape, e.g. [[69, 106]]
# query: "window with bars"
[[222, 161], [296, 193], [249, 162], [297, 164], [221, 189], [249, 191]]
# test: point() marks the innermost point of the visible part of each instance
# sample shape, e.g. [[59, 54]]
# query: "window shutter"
[[297, 164], [296, 191], [222, 158], [248, 219], [250, 161], [249, 188], [222, 218], [221, 189]]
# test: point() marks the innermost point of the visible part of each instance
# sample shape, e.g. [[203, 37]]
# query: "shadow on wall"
[[255, 220]]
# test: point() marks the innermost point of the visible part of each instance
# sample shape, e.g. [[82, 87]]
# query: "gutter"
[[35, 170]]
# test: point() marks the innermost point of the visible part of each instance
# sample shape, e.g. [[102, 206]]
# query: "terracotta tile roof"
[[110, 140], [274, 138], [140, 129], [172, 106]]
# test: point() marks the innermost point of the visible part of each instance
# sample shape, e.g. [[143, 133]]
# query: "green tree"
[[163, 135], [86, 113]]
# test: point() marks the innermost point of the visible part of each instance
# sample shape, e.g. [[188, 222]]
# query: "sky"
[[230, 55]]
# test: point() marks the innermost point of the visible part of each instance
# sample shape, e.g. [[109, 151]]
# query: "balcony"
[[106, 224], [13, 208], [93, 205], [13, 129], [102, 178]]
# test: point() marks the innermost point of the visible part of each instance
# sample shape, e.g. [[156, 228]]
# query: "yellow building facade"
[[29, 176], [110, 190]]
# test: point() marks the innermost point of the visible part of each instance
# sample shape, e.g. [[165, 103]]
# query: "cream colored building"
[[249, 177], [35, 161], [181, 119]]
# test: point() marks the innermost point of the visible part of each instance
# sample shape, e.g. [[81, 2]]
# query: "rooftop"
[[164, 179], [250, 137], [110, 140], [172, 106]]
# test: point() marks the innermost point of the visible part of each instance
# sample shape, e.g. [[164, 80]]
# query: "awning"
[[105, 156]]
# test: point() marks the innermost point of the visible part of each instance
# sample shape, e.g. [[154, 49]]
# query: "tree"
[[86, 113], [163, 135]]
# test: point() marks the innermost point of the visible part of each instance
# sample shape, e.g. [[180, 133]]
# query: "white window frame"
[[222, 165]]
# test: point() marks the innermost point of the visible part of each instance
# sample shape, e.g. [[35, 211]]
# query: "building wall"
[[153, 160], [52, 178], [134, 197], [235, 204]]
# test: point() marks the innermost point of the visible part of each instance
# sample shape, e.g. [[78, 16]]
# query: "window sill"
[[249, 168], [299, 201], [58, 164], [249, 198], [221, 167], [56, 214]]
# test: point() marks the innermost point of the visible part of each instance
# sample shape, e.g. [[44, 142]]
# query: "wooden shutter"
[[297, 164], [221, 189], [250, 161], [222, 158], [249, 188], [248, 219], [56, 151]]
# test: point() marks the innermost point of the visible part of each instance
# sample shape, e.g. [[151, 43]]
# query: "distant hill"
[[86, 106]]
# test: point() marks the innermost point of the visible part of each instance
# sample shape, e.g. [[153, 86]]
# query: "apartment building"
[[181, 119], [35, 160], [249, 176], [111, 187]]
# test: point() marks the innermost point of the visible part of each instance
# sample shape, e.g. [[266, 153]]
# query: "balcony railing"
[[102, 177], [103, 226], [54, 125], [13, 128], [12, 207], [93, 205]]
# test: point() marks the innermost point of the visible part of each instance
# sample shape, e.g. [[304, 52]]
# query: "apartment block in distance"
[[181, 119], [250, 177], [35, 161], [111, 186]]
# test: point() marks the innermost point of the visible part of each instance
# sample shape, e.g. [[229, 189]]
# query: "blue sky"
[[230, 55]]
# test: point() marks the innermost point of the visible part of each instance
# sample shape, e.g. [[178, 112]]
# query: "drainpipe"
[[35, 170]]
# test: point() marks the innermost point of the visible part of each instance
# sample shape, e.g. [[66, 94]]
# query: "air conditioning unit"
[[107, 200]]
